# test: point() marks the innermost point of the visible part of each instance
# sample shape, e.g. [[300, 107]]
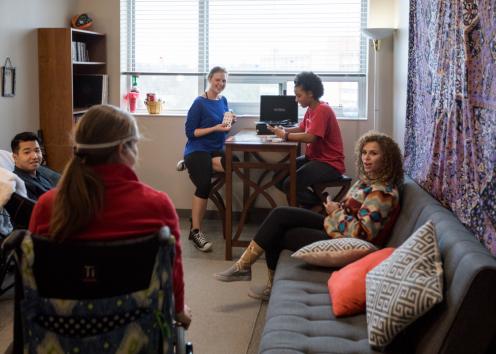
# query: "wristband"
[[286, 135]]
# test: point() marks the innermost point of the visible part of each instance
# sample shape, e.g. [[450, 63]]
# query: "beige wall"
[[392, 66], [18, 40], [381, 14], [400, 70], [381, 64]]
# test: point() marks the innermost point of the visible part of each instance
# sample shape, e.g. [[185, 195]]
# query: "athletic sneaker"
[[234, 273], [200, 240], [181, 166]]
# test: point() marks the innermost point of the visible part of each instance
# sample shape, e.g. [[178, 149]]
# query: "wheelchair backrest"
[[95, 296]]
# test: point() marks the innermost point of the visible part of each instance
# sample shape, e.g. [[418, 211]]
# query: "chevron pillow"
[[404, 287], [334, 252]]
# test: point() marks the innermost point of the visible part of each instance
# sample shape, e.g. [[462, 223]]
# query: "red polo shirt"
[[322, 123], [130, 209]]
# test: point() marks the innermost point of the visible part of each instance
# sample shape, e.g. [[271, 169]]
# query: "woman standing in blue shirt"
[[204, 151]]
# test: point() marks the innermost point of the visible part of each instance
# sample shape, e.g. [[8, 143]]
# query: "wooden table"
[[251, 145]]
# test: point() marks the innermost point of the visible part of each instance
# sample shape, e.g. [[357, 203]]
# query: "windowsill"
[[161, 115], [242, 116]]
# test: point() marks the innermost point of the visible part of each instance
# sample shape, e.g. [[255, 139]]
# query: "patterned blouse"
[[368, 211]]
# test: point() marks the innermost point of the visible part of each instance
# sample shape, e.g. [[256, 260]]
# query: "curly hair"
[[392, 167], [309, 81]]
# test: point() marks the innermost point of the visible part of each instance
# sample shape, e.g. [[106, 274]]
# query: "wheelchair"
[[94, 296]]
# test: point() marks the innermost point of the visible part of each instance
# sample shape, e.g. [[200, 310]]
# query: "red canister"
[[151, 97]]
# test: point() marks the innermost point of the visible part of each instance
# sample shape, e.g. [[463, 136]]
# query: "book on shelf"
[[80, 52], [74, 51]]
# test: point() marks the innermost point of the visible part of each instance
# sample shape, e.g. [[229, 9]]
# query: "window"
[[171, 45]]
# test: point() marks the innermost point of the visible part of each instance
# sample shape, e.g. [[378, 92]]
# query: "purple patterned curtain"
[[450, 138]]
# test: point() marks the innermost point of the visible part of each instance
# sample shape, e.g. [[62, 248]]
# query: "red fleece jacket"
[[131, 209]]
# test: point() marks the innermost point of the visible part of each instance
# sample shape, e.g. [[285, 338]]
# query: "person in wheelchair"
[[99, 196], [27, 156]]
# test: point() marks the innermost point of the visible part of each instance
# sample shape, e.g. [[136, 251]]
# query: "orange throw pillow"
[[347, 285]]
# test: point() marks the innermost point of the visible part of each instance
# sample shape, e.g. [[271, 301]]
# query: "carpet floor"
[[225, 319]]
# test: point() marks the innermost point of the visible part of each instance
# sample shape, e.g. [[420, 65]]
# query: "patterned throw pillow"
[[334, 253], [404, 287]]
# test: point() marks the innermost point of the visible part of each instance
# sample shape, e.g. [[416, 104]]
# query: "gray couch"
[[300, 320]]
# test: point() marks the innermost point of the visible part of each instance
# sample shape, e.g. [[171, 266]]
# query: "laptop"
[[278, 110]]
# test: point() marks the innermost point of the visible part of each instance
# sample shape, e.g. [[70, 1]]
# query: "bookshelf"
[[72, 77]]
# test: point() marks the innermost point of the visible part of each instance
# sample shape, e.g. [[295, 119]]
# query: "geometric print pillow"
[[334, 252], [404, 287]]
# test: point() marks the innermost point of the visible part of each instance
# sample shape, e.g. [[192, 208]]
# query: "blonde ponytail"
[[98, 135]]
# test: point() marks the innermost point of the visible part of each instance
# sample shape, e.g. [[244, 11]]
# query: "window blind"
[[286, 35], [245, 35], [171, 44], [163, 36]]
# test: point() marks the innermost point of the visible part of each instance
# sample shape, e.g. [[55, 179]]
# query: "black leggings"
[[308, 173], [199, 165], [288, 228]]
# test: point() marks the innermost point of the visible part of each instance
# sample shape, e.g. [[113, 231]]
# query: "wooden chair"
[[217, 182]]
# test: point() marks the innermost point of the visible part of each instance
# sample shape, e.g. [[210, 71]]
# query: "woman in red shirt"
[[99, 196], [323, 160]]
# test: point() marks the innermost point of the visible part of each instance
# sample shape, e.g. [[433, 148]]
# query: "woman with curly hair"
[[368, 211]]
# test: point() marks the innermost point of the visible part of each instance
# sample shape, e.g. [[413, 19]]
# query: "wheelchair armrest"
[[19, 209], [13, 241]]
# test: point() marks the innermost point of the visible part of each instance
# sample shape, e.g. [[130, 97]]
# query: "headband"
[[104, 145]]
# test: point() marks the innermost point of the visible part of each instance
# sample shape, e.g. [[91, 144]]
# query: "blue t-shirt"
[[205, 113]]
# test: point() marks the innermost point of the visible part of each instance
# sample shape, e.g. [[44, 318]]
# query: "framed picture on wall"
[[8, 79]]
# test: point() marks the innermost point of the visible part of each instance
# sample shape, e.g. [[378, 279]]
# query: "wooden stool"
[[344, 182], [217, 182]]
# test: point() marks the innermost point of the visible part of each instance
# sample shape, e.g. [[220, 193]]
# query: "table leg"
[[246, 172], [292, 176], [228, 214]]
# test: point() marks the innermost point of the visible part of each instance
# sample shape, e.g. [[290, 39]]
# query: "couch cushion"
[[334, 252], [299, 318]]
